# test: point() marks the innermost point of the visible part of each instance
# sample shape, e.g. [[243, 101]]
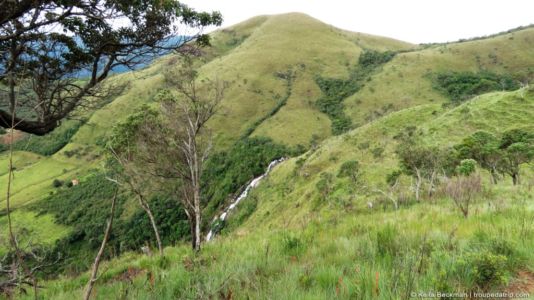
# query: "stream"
[[254, 183]]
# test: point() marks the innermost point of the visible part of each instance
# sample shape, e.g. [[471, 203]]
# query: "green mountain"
[[308, 231]]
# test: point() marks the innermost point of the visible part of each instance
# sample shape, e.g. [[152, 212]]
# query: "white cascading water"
[[254, 183]]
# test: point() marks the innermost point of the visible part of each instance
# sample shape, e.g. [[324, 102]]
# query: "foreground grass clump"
[[380, 254]]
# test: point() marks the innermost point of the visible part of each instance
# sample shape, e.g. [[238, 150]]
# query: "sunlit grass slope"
[[290, 194], [403, 82], [295, 245]]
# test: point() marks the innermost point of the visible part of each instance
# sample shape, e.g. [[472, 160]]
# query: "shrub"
[[463, 191], [371, 58], [393, 177], [57, 183], [460, 86], [85, 209], [350, 169], [466, 167], [488, 269]]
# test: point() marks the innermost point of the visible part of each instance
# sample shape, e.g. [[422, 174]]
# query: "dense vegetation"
[[459, 86], [228, 171], [336, 90], [85, 208]]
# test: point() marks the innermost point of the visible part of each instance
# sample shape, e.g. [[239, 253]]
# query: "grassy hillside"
[[278, 68], [286, 242], [295, 180], [254, 91]]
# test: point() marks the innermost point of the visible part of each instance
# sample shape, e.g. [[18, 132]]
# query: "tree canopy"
[[44, 46]]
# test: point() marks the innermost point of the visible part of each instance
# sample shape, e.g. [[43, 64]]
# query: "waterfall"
[[254, 183]]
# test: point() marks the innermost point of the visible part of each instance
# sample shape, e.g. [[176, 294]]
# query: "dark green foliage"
[[488, 269], [482, 147], [372, 58], [517, 135], [228, 171], [47, 144], [170, 217], [57, 183], [331, 103], [460, 86], [466, 167], [336, 90], [393, 177], [59, 42], [350, 169], [514, 156], [85, 209], [504, 155]]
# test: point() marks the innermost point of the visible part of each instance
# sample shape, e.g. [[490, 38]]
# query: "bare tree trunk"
[[96, 264], [515, 178], [196, 196], [146, 207], [198, 220], [418, 182]]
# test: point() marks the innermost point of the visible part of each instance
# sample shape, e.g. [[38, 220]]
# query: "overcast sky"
[[416, 21]]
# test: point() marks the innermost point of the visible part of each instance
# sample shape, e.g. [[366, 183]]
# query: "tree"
[[128, 160], [483, 147], [518, 148], [421, 162], [516, 155], [463, 191], [173, 142], [186, 115], [54, 54], [392, 180], [350, 169]]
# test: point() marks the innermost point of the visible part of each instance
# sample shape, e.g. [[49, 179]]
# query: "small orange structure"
[[75, 182]]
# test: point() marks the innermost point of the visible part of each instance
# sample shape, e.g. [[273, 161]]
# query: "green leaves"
[[460, 86], [504, 155], [336, 90], [466, 167], [350, 169]]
